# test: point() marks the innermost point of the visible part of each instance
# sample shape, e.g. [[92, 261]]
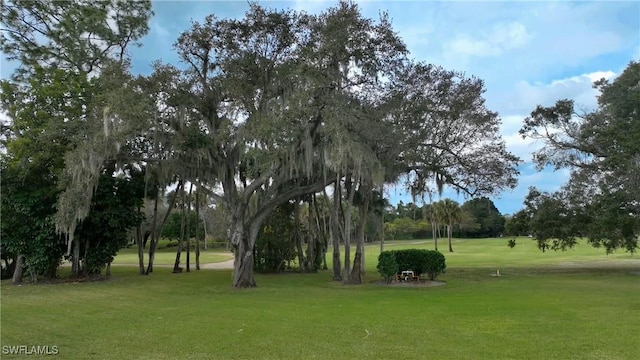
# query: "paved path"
[[223, 265]]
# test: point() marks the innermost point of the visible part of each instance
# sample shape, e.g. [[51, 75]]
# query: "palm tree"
[[429, 213], [448, 211]]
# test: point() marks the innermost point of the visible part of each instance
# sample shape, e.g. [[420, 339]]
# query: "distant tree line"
[[476, 218]]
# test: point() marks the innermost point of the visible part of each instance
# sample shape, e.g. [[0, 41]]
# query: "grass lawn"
[[579, 304]]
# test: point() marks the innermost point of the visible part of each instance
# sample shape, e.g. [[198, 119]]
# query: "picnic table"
[[408, 275]]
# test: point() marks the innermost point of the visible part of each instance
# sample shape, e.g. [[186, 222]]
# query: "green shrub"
[[274, 247], [387, 265], [411, 259], [420, 261], [435, 264]]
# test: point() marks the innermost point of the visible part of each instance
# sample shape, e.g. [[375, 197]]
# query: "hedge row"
[[420, 261]]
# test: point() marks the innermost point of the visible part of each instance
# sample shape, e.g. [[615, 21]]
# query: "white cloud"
[[521, 147], [507, 41], [524, 96], [546, 180], [502, 37]]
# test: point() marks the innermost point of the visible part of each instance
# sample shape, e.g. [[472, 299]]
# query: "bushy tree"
[[434, 264], [27, 231], [602, 149], [114, 210], [490, 222], [517, 224], [387, 265], [67, 52]]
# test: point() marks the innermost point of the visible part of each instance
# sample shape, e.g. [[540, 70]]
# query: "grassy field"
[[579, 304]]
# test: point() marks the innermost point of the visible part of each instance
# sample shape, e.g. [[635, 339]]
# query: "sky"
[[527, 52]]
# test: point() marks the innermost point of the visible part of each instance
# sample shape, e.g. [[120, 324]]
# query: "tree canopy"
[[602, 150], [69, 55]]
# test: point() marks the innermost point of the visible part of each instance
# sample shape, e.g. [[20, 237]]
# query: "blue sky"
[[528, 53]]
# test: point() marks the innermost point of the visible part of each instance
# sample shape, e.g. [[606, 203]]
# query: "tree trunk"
[[198, 231], [140, 252], [243, 257], [324, 256], [156, 232], [382, 219], [350, 186], [152, 246], [356, 273], [140, 245], [204, 228], [358, 262], [108, 270], [176, 264], [326, 230], [311, 263], [449, 233], [335, 233], [19, 270], [297, 238], [189, 228], [75, 267], [434, 232]]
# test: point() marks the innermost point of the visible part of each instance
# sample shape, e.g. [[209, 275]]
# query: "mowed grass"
[[579, 304]]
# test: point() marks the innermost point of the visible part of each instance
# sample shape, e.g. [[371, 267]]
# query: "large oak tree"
[[602, 149], [281, 104]]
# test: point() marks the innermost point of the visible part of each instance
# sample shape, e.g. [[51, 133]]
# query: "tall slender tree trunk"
[[154, 224], [335, 233], [198, 231], [204, 227], [350, 187], [326, 231], [382, 219], [75, 267], [18, 272], [358, 261], [176, 264], [311, 264], [449, 234], [140, 245], [189, 228], [297, 238], [434, 232], [156, 232]]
